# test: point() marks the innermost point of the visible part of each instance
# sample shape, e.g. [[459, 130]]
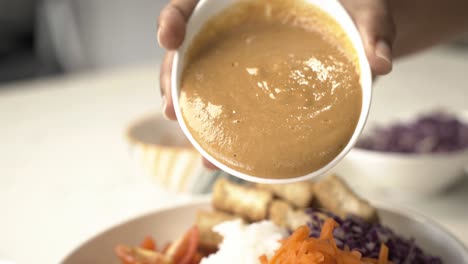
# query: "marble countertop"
[[66, 172]]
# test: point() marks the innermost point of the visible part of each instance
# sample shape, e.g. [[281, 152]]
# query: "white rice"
[[245, 243]]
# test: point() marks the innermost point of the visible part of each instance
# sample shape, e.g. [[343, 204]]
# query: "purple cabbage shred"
[[436, 132], [365, 237]]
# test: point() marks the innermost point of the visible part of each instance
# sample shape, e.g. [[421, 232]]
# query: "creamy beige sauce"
[[271, 90]]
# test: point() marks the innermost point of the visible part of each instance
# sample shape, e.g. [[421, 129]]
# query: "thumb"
[[374, 21]]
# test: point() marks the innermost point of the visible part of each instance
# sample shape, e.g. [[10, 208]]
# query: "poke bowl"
[[408, 237]]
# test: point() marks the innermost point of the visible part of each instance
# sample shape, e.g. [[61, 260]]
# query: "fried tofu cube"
[[284, 215], [250, 203], [334, 195], [299, 194], [205, 221]]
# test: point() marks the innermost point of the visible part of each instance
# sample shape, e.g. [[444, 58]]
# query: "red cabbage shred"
[[436, 132], [366, 238]]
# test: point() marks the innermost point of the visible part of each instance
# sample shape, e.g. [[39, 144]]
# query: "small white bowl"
[[160, 150], [205, 10], [166, 225], [401, 176]]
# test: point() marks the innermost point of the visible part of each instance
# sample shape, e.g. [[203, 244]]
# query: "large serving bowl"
[[167, 224]]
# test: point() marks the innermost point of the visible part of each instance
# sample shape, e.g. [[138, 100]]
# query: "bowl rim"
[[365, 81], [132, 141], [205, 201]]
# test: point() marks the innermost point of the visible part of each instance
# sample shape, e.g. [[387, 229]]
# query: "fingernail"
[[383, 51], [158, 36], [164, 106]]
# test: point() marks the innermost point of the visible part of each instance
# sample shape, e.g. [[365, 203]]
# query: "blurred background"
[[50, 37]]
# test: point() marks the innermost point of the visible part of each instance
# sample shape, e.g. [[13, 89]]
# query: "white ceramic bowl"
[[402, 176], [160, 150], [397, 176], [205, 10], [166, 225]]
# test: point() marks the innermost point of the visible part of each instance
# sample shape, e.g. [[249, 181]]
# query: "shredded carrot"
[[263, 259], [383, 255], [299, 248]]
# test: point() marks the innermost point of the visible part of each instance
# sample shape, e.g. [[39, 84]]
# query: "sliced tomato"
[[196, 258], [181, 251], [187, 247], [166, 248], [124, 254], [149, 243], [138, 255]]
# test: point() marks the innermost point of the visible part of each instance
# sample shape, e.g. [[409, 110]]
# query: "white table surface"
[[65, 173]]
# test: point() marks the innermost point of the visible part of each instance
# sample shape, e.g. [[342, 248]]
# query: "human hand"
[[376, 26]]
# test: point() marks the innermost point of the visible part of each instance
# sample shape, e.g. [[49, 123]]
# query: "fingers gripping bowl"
[[286, 158]]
